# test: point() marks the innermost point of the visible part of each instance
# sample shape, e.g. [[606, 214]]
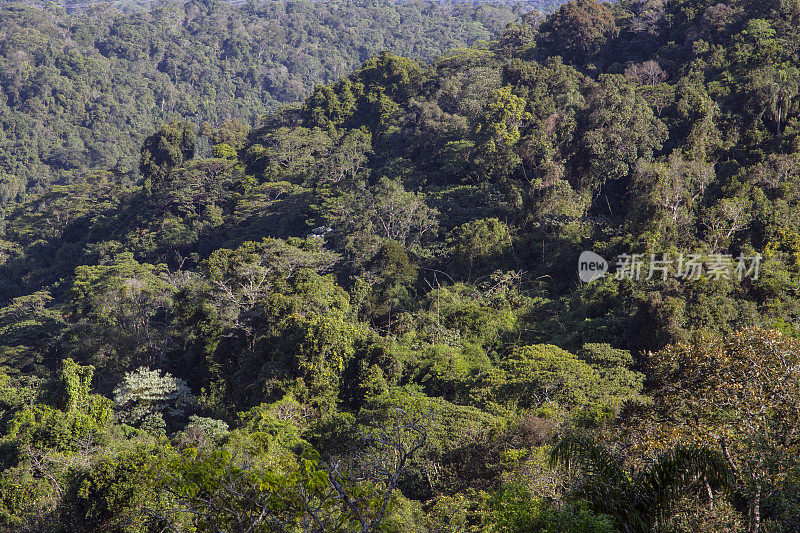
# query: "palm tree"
[[783, 90], [641, 500]]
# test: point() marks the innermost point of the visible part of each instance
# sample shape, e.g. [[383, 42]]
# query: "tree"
[[502, 119], [778, 87], [516, 510], [579, 28], [480, 241], [668, 193], [366, 216], [390, 274], [591, 386], [659, 96], [29, 327], [499, 130], [118, 491], [785, 89], [738, 394], [292, 153], [725, 219], [225, 490], [349, 158], [646, 73], [699, 113], [166, 149], [384, 453], [243, 277], [144, 396], [76, 381], [620, 131], [120, 313], [245, 488], [322, 348]]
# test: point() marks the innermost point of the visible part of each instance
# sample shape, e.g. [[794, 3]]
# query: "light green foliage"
[[81, 417], [77, 381], [366, 216], [323, 346], [248, 274], [451, 433], [44, 427], [224, 151], [544, 373], [760, 44], [368, 97], [290, 153], [279, 424], [480, 315], [498, 131], [501, 123], [145, 393], [515, 511], [118, 494], [224, 489], [615, 368], [479, 242], [212, 428]]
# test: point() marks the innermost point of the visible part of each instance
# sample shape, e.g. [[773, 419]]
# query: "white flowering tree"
[[144, 396]]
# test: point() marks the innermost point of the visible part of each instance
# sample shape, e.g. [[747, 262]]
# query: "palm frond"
[[638, 503], [605, 485], [580, 452], [675, 471]]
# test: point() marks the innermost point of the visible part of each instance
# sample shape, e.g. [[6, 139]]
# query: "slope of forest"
[[364, 314], [82, 90], [132, 6]]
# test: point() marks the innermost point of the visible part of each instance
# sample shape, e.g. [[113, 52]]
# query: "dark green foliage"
[[28, 329], [166, 149]]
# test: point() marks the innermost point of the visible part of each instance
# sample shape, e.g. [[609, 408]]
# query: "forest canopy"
[[363, 311], [82, 88]]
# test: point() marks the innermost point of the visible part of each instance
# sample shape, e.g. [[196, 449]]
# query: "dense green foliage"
[[80, 90], [364, 313]]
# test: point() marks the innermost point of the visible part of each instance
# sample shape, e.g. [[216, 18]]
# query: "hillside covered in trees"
[[365, 312], [81, 90]]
